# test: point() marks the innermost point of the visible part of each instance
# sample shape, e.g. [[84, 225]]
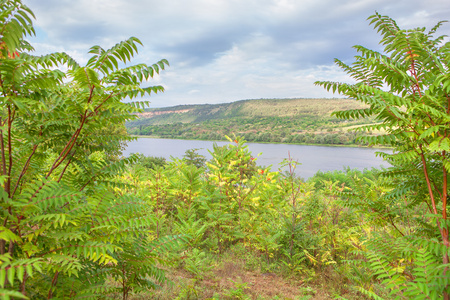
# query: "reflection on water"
[[311, 158]]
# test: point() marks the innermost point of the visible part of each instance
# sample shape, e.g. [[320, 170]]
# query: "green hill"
[[264, 120]]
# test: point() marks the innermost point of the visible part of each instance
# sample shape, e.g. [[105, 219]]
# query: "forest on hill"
[[297, 121], [79, 221]]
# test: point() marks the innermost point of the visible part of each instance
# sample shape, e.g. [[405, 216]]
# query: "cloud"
[[226, 50]]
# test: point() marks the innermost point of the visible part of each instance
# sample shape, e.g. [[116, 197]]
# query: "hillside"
[[264, 120]]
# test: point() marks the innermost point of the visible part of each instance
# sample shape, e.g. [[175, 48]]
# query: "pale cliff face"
[[151, 114]]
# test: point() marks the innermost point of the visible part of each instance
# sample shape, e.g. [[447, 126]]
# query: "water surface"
[[311, 158]]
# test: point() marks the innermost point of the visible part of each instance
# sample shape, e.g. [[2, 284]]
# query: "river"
[[311, 158]]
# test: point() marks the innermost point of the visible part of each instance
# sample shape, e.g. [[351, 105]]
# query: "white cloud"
[[226, 50]]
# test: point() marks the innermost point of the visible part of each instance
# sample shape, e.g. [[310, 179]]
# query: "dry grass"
[[262, 285], [293, 107], [232, 276], [220, 282]]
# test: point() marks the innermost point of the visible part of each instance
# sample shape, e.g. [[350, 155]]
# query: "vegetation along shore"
[[289, 121]]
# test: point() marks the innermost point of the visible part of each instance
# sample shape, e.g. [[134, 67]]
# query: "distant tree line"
[[307, 130]]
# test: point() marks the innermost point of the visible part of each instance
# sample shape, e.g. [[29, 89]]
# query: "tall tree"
[[407, 88], [60, 215]]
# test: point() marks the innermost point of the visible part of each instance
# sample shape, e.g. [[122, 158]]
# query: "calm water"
[[311, 158]]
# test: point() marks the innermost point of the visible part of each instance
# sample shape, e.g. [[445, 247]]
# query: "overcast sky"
[[227, 50]]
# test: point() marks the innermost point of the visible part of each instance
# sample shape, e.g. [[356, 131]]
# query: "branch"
[[444, 191], [65, 168], [3, 150], [10, 159], [64, 153], [24, 170], [427, 178]]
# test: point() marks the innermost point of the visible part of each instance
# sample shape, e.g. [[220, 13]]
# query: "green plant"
[[407, 90], [149, 162], [193, 158], [307, 292], [238, 291], [229, 191], [188, 292], [63, 213], [190, 225], [197, 263]]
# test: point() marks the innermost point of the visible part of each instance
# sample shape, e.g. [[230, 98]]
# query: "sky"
[[227, 50]]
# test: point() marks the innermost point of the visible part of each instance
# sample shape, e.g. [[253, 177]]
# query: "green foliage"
[[65, 213], [341, 178], [238, 292], [234, 189], [407, 89], [192, 157], [149, 162], [197, 263], [138, 266]]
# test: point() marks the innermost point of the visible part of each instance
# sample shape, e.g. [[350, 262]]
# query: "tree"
[[193, 158], [407, 89], [62, 211]]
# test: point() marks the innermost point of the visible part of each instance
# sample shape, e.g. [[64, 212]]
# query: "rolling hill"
[[302, 121]]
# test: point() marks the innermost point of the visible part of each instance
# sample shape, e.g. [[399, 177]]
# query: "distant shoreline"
[[252, 142], [279, 121]]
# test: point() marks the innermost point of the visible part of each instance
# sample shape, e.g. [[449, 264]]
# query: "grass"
[[242, 274]]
